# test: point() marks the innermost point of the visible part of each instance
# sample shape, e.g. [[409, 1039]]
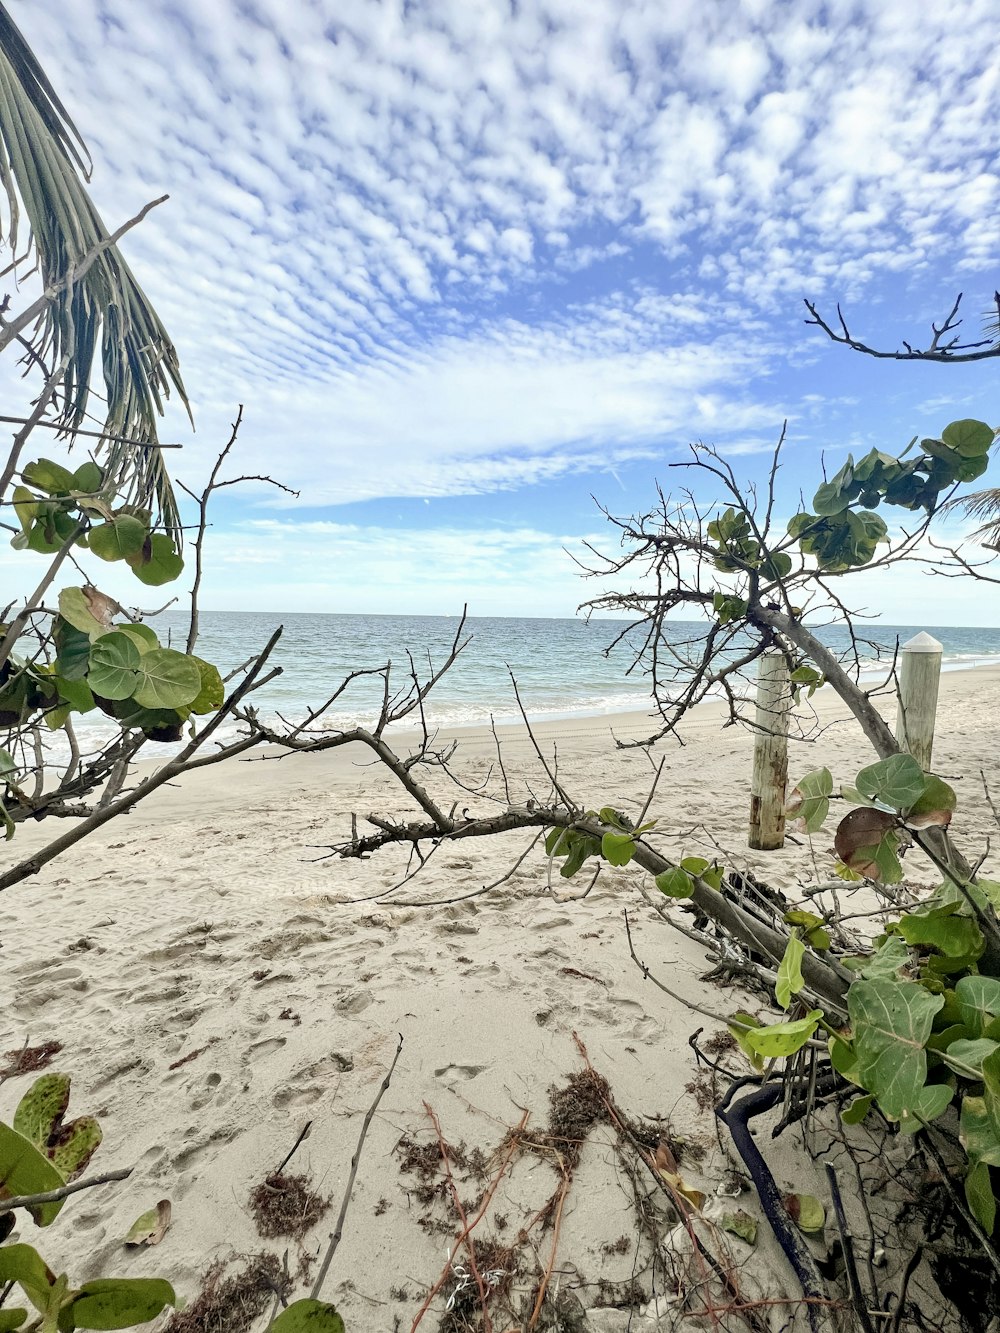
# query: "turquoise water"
[[562, 667]]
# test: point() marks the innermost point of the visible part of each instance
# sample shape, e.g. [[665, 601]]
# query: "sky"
[[469, 264]]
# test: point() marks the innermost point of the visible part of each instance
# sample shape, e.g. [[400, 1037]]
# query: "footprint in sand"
[[459, 1073]]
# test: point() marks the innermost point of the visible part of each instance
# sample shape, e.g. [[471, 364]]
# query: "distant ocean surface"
[[560, 665]]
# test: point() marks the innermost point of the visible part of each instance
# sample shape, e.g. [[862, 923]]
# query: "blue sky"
[[469, 262]]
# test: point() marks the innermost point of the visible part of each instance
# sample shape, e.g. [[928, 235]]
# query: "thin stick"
[[295, 1146], [355, 1162], [63, 1192]]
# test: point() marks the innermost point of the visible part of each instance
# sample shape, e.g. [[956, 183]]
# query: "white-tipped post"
[[770, 753], [919, 677]]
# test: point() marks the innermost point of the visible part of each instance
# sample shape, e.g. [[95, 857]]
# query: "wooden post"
[[770, 753], [919, 677]]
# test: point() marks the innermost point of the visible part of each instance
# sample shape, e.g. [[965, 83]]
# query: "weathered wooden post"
[[770, 753], [919, 677]]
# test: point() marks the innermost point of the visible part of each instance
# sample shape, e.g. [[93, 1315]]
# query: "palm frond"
[[105, 310], [981, 504]]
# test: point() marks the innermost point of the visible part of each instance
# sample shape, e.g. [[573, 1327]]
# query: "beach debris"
[[287, 1206], [233, 1304], [741, 1224], [29, 1059], [151, 1227]]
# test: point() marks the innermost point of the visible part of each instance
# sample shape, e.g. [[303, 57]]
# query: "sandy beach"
[[216, 985]]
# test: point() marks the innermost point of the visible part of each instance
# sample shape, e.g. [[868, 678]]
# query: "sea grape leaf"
[[784, 1038], [24, 1169], [167, 679], [88, 478], [157, 562], [710, 871], [617, 848], [806, 1212], [812, 927], [308, 1316], [858, 1109], [740, 1024], [110, 1302], [119, 539], [934, 806], [72, 649], [844, 1060], [86, 610], [213, 691], [675, 883], [77, 693], [953, 935], [968, 1055], [71, 1146], [11, 1319], [866, 842], [114, 666], [891, 1021], [790, 980], [151, 1227], [968, 437], [809, 801], [930, 1102], [53, 477], [980, 1197], [979, 1001], [898, 781], [24, 1265], [40, 1111]]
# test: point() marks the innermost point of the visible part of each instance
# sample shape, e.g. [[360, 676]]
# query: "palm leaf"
[[981, 504], [102, 311]]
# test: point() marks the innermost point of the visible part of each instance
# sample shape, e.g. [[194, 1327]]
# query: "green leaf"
[[212, 693], [968, 1055], [812, 927], [700, 868], [617, 848], [790, 980], [11, 1319], [25, 1170], [675, 883], [308, 1316], [952, 935], [891, 1021], [979, 1002], [168, 679], [118, 540], [77, 693], [40, 1111], [968, 437], [886, 962], [110, 1303], [934, 805], [858, 1109], [740, 1025], [114, 666], [898, 781], [741, 1224], [88, 478], [48, 476], [157, 562], [809, 801], [784, 1038], [980, 1197], [24, 1265], [72, 649], [77, 608], [806, 1212], [844, 1060]]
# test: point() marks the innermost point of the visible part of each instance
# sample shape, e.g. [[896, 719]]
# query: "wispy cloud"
[[377, 207]]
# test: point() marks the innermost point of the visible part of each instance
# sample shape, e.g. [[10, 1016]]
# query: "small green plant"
[[39, 1154]]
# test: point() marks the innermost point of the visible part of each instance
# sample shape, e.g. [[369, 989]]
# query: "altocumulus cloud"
[[465, 245]]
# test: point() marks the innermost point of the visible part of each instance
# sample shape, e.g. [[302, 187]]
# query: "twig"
[[355, 1162], [63, 1192], [306, 1128]]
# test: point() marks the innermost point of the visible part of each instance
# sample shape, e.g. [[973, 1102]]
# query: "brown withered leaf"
[[151, 1227], [862, 829]]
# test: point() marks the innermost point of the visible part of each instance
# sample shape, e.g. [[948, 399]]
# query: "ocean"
[[563, 668]]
